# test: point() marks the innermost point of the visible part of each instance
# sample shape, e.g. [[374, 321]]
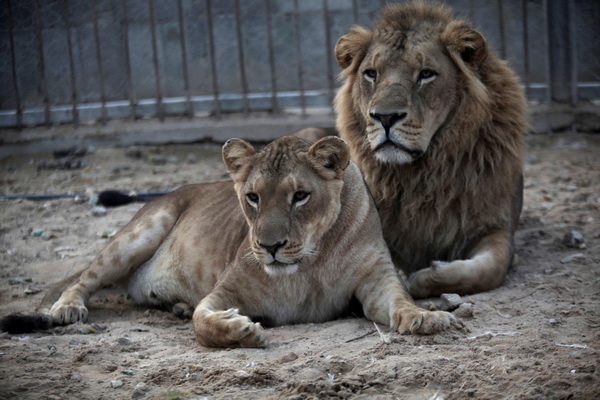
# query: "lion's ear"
[[466, 43], [352, 46], [330, 157], [237, 154]]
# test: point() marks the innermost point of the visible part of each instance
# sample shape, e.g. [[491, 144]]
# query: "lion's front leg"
[[386, 301], [484, 269], [216, 325]]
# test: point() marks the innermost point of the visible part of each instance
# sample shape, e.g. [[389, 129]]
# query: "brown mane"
[[474, 158]]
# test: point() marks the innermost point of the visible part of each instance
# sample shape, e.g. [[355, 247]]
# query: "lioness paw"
[[418, 321], [64, 314], [230, 329]]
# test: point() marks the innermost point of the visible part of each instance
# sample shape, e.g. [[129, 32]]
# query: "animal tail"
[[41, 321], [19, 323]]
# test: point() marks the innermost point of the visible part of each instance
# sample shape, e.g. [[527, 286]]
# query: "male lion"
[[306, 239], [435, 122]]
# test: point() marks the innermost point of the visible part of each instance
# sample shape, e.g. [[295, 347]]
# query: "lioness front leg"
[[216, 324], [131, 247], [484, 269], [386, 301]]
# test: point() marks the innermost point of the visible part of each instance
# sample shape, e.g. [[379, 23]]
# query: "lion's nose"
[[388, 120], [272, 248]]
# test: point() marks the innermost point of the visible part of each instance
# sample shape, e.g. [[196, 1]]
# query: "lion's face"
[[290, 195], [404, 79], [404, 97]]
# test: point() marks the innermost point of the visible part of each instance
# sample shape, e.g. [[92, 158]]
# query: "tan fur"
[[448, 182], [292, 239]]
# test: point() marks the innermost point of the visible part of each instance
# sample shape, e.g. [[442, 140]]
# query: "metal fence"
[[75, 61]]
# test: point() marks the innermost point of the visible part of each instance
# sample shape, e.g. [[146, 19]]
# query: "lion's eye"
[[426, 75], [370, 75], [252, 199], [300, 198]]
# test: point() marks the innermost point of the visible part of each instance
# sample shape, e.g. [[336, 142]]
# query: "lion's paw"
[[68, 313], [419, 321], [230, 329], [441, 277]]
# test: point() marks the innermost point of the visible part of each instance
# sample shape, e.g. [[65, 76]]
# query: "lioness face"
[[406, 94], [290, 195]]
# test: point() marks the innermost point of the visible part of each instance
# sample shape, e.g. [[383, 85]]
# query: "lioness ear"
[[465, 42], [330, 157], [352, 46], [236, 155]]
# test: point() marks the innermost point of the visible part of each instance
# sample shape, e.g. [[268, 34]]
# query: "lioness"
[[435, 121], [290, 240]]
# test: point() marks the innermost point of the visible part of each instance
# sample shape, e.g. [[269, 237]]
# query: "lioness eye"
[[300, 197], [370, 74], [252, 199], [426, 75]]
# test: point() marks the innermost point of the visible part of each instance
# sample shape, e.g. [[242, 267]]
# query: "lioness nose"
[[272, 248], [388, 120]]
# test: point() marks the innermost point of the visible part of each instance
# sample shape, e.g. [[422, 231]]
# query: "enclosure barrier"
[[82, 61]]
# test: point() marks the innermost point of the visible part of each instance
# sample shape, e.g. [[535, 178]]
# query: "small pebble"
[[18, 281], [127, 371], [87, 329], [242, 374], [49, 235], [553, 321], [116, 384], [99, 211], [140, 390], [465, 310], [574, 239], [107, 234], [124, 341], [37, 232], [450, 301], [31, 290], [571, 257]]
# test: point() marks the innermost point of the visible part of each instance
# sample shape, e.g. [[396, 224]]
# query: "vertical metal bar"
[[159, 97], [274, 104], [40, 43], [186, 78], [99, 62], [559, 51], [354, 12], [13, 65], [472, 11], [240, 46], [525, 47], [128, 75], [75, 111], [299, 58], [213, 58], [328, 54], [573, 53], [545, 20], [501, 28]]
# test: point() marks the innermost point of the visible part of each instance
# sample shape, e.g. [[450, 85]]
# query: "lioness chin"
[[291, 240]]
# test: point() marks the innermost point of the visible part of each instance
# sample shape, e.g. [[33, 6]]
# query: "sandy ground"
[[538, 336]]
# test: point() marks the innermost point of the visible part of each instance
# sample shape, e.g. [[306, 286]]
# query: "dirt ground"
[[538, 336]]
